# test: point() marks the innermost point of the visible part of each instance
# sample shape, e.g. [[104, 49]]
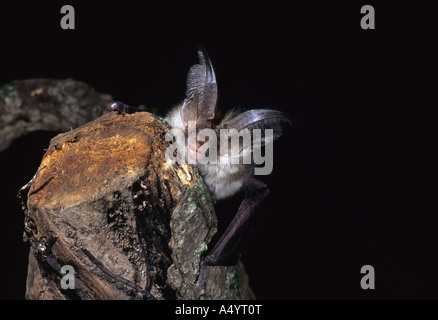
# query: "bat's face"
[[217, 146], [195, 147]]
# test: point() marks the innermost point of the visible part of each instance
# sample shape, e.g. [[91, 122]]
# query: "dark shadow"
[[19, 163]]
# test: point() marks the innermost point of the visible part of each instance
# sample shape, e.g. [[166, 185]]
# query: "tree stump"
[[132, 225]]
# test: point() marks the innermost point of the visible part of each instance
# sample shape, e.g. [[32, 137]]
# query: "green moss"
[[233, 278], [8, 91], [191, 206], [167, 124], [202, 248], [202, 190]]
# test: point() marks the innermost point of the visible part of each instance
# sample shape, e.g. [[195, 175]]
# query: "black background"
[[351, 179]]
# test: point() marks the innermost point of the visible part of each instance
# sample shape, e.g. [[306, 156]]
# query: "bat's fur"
[[223, 179]]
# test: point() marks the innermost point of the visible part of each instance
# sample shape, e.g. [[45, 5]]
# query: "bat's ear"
[[258, 119], [201, 95]]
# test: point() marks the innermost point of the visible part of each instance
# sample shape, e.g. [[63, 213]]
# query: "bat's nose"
[[192, 152]]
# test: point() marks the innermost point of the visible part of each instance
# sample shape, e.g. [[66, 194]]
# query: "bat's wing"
[[258, 119], [201, 94]]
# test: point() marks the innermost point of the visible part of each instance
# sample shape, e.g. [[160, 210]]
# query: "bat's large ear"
[[201, 94], [258, 119]]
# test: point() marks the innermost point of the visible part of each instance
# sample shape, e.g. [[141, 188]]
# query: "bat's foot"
[[226, 250]]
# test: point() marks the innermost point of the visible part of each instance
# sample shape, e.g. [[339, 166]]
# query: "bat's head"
[[208, 139]]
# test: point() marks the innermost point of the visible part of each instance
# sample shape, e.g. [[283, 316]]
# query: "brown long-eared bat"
[[223, 178]]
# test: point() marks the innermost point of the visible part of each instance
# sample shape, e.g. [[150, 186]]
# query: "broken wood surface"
[[132, 225]]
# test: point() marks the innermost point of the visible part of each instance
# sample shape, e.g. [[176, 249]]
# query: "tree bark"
[[107, 203], [46, 104]]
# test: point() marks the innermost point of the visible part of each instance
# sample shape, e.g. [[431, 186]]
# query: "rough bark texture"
[[45, 104], [132, 225]]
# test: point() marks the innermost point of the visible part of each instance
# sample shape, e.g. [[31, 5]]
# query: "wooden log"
[[132, 225]]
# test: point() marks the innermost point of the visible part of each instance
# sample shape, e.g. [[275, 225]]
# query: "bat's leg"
[[255, 191]]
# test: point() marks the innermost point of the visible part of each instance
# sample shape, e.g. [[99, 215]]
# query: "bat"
[[223, 178]]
